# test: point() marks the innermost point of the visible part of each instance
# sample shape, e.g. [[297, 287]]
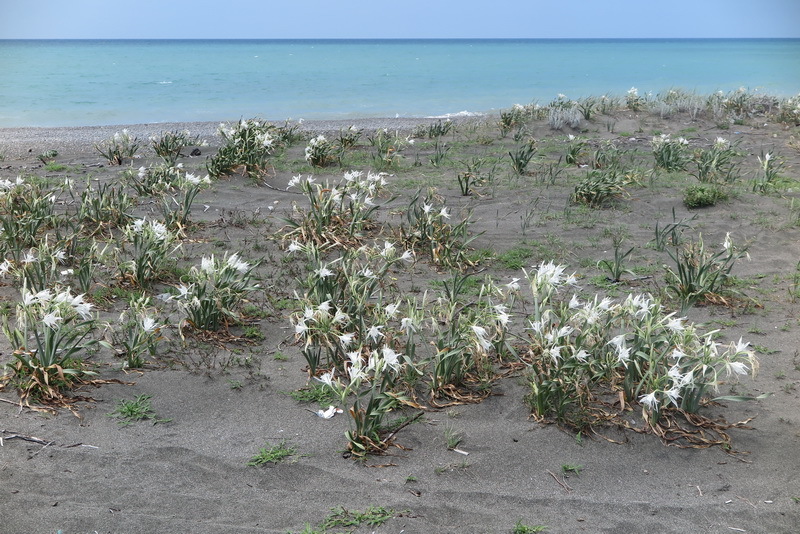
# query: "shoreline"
[[15, 141]]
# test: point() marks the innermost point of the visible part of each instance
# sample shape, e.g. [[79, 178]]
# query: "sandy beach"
[[220, 399]]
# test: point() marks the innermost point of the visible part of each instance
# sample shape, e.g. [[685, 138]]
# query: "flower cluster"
[[215, 289]]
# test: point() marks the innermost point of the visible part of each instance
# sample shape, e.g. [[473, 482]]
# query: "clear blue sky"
[[267, 19]]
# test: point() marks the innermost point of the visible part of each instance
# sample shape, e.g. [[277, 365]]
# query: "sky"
[[375, 19]]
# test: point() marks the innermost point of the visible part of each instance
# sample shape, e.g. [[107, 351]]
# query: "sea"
[[107, 82]]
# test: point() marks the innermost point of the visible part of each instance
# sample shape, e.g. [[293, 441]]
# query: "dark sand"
[[190, 474]]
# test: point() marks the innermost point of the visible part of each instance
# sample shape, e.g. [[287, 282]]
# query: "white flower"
[[236, 263], [727, 244], [582, 355], [387, 249], [390, 357], [207, 265], [183, 291], [324, 308], [426, 208], [295, 246], [481, 335], [354, 357], [300, 328], [502, 314], [574, 302], [737, 368], [513, 285], [391, 309], [407, 325], [148, 324], [618, 341], [675, 324], [324, 272], [649, 400], [327, 378], [408, 256], [374, 332], [356, 373], [673, 394], [346, 339], [443, 213], [741, 347], [51, 319]]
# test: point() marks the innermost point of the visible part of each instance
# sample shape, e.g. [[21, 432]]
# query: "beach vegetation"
[[426, 229], [634, 101], [671, 234], [700, 273], [176, 201], [247, 146], [655, 358], [51, 332], [511, 119], [703, 195], [522, 156], [563, 112], [575, 148], [715, 163], [522, 528], [349, 137], [150, 245], [387, 148], [315, 392], [373, 516], [211, 294], [571, 469], [137, 332], [599, 187], [615, 268], [139, 409], [392, 311], [169, 145], [119, 148], [106, 206], [320, 152], [452, 437], [767, 175], [272, 454], [670, 154], [336, 214]]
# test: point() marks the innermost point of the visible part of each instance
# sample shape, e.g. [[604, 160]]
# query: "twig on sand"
[[401, 427], [560, 482], [32, 439]]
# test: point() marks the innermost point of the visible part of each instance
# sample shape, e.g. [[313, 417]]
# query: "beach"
[[221, 398]]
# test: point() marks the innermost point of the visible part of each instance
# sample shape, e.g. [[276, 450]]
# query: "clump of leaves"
[[138, 409], [373, 516], [522, 528], [272, 454], [119, 148], [703, 195], [598, 188]]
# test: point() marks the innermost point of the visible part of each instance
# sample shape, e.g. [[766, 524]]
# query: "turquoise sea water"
[[66, 83]]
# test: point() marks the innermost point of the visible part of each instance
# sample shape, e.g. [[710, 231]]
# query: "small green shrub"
[[703, 195]]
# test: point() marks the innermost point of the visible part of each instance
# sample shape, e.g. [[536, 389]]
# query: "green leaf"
[[741, 398]]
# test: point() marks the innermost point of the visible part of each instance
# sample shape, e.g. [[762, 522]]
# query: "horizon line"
[[385, 38]]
